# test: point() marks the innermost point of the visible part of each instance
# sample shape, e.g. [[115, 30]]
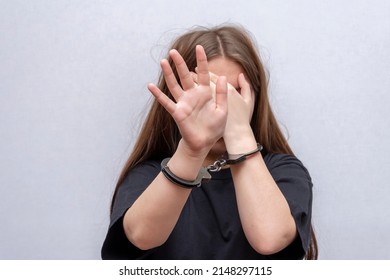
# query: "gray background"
[[73, 78]]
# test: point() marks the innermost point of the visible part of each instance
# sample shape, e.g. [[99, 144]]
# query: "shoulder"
[[143, 171], [284, 161], [134, 184], [138, 178], [146, 166], [276, 159], [287, 164]]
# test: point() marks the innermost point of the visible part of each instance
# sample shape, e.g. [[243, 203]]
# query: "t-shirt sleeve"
[[295, 182], [116, 245]]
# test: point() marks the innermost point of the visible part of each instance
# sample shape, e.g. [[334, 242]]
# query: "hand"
[[200, 111], [240, 108]]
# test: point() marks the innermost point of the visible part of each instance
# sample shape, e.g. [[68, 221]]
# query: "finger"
[[182, 70], [170, 79], [245, 87], [202, 66], [164, 100], [213, 81], [213, 77], [194, 77], [221, 93]]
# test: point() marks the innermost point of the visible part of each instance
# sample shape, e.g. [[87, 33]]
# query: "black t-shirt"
[[209, 226]]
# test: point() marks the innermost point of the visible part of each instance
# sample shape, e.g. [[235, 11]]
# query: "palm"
[[200, 111]]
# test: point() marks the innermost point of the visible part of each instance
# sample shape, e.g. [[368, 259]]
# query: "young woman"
[[211, 119]]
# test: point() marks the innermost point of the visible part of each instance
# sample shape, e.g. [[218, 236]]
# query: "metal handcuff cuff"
[[204, 175]]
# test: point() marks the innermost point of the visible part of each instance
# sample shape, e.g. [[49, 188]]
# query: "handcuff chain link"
[[217, 165]]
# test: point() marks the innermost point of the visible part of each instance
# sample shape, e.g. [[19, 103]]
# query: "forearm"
[[264, 212], [151, 219]]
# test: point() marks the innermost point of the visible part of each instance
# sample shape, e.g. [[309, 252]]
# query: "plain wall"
[[73, 78]]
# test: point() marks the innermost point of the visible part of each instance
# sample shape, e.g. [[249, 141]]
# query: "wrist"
[[240, 142], [186, 162], [196, 154]]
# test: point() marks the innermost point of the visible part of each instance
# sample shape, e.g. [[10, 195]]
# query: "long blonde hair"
[[159, 135]]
